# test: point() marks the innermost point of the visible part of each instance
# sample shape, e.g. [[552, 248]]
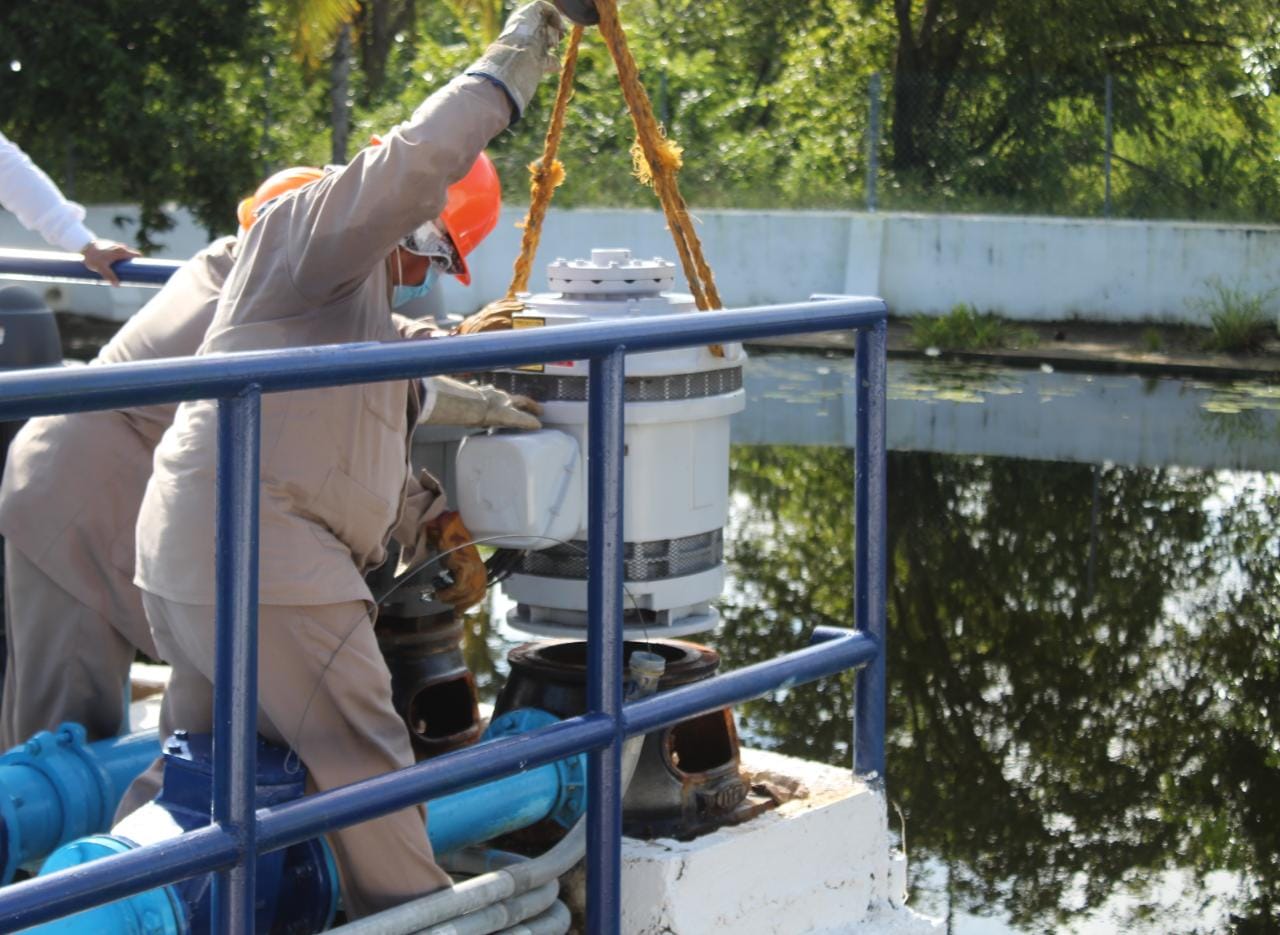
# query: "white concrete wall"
[[1054, 268], [1021, 267]]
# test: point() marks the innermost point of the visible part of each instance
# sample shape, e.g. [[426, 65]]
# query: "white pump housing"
[[675, 469]]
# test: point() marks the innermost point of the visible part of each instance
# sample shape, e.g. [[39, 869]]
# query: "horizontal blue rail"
[[228, 844], [45, 264]]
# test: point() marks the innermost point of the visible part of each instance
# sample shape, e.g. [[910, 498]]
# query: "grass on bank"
[[1239, 321], [964, 328]]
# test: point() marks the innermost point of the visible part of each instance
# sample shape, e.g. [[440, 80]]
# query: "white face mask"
[[402, 294]]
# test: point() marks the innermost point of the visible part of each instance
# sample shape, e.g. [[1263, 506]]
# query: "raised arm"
[[342, 226]]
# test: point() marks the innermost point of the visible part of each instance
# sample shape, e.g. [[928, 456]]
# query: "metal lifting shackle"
[[582, 12]]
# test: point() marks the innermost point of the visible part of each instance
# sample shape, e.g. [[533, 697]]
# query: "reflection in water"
[[1050, 742], [1084, 657]]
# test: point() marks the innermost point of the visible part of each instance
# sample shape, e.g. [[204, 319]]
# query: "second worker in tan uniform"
[[68, 507], [319, 267]]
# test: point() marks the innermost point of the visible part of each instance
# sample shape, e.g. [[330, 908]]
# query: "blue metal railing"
[[237, 381]]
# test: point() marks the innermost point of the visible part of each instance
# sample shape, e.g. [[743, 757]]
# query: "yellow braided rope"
[[656, 160], [546, 173]]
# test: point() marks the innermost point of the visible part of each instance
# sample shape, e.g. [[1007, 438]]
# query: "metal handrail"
[[228, 845]]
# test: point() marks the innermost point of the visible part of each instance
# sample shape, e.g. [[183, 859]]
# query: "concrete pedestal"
[[820, 862]]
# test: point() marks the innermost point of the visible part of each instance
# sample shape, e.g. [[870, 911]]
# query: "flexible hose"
[[477, 859], [502, 915], [475, 894], [555, 921]]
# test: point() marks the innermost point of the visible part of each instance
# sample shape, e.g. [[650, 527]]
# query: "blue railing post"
[[235, 699], [870, 561], [604, 637]]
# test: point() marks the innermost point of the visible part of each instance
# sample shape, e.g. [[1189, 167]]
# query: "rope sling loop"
[[661, 160], [546, 173], [656, 161]]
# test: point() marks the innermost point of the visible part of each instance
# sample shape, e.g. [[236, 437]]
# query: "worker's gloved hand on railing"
[[447, 536], [100, 254], [452, 402], [525, 51], [496, 316]]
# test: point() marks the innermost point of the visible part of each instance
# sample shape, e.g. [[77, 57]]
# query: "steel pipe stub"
[[582, 12]]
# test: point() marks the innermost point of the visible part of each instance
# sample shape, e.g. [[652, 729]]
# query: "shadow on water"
[[1084, 650]]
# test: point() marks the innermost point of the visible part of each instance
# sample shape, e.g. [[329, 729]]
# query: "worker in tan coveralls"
[[68, 506], [319, 267]]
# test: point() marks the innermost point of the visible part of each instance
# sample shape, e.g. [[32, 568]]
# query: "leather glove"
[[456, 403], [423, 500], [525, 51], [496, 316], [416, 328], [470, 578]]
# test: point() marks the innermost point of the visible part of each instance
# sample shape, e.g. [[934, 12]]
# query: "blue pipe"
[[57, 787], [297, 882], [482, 813]]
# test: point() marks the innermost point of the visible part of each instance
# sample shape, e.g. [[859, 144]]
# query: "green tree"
[[1041, 53], [131, 100]]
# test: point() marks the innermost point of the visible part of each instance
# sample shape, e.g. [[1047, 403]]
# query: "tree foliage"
[[132, 99], [987, 104]]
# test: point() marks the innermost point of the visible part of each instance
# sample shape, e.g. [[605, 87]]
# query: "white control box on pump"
[[675, 468]]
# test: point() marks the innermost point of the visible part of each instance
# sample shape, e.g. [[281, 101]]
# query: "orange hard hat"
[[286, 180], [471, 208]]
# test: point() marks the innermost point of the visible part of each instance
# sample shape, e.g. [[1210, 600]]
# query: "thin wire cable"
[[291, 758]]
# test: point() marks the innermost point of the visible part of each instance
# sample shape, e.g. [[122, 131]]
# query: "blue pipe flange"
[[154, 912], [51, 758], [572, 770], [57, 787]]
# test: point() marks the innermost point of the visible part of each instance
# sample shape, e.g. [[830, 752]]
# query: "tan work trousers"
[[325, 691], [66, 661]]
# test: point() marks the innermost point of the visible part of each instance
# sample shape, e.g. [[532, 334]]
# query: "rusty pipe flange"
[[566, 660], [582, 12]]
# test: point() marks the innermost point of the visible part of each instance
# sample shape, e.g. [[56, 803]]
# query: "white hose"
[[502, 914], [475, 894], [555, 921]]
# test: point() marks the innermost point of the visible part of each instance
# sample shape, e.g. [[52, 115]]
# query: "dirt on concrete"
[[1159, 349]]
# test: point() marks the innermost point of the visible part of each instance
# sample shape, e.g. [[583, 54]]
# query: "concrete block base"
[[820, 862]]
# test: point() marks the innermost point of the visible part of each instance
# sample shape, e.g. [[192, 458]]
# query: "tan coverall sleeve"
[[347, 223]]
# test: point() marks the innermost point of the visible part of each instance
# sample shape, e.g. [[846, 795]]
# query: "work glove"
[[411, 329], [496, 316], [452, 402], [447, 536], [525, 51], [422, 500]]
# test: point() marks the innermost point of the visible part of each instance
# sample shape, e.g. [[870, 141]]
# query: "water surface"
[[1084, 633]]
